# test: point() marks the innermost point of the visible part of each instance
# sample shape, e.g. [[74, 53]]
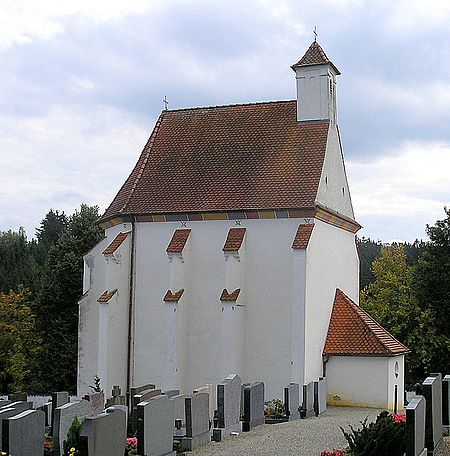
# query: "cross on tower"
[[315, 33], [166, 103]]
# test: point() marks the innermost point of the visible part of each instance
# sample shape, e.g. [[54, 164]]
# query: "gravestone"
[[415, 427], [197, 422], [155, 426], [23, 434], [62, 420], [58, 398], [446, 405], [179, 414], [19, 406], [228, 407], [97, 401], [208, 388], [431, 389], [18, 397], [171, 393], [253, 406], [320, 396], [307, 408], [4, 402], [142, 396], [292, 401], [138, 389], [48, 408], [116, 397], [104, 434], [6, 413]]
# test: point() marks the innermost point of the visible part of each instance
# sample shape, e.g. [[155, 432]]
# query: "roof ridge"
[[146, 152], [230, 105]]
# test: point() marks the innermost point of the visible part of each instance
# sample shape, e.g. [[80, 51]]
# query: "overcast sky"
[[82, 83]]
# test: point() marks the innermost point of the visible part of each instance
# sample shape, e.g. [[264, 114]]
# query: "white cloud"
[[402, 192], [65, 158], [24, 20]]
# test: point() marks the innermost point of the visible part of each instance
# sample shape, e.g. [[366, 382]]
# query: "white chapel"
[[231, 248]]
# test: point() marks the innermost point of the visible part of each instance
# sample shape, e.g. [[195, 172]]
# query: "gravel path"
[[300, 438]]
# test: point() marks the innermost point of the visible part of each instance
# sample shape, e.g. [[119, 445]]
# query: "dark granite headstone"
[[228, 407], [6, 412], [171, 393], [23, 434], [104, 434], [155, 426], [292, 401], [142, 396], [320, 396], [415, 427], [307, 408], [446, 405], [253, 406], [58, 398], [197, 422], [432, 391]]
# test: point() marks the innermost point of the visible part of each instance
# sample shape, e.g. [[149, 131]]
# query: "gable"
[[226, 158], [353, 332]]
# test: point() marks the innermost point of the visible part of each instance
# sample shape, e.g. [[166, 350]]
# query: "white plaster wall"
[[333, 189], [314, 101], [93, 286], [332, 262], [95, 282], [359, 381], [396, 380]]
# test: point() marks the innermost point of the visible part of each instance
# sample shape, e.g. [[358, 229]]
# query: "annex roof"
[[315, 55], [353, 332], [226, 158]]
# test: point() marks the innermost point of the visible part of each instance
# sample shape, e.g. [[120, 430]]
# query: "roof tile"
[[315, 55], [352, 331], [115, 244], [234, 240], [226, 158], [178, 241], [302, 236]]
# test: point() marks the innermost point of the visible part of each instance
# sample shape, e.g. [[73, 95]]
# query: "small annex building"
[[231, 248]]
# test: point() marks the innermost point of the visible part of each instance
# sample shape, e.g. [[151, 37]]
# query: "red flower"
[[399, 417]]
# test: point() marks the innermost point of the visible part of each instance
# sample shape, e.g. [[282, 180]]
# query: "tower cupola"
[[316, 85]]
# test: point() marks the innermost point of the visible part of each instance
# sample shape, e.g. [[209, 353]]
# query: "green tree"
[[390, 300], [368, 251], [19, 343], [15, 260], [432, 287], [57, 301]]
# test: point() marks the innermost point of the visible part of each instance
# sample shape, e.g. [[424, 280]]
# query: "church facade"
[[230, 248]]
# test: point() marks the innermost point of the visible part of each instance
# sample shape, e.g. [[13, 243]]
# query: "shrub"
[[73, 436], [384, 437]]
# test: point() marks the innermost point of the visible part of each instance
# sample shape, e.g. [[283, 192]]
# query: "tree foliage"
[[19, 343], [57, 300]]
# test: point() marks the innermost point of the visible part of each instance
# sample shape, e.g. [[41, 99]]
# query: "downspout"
[[325, 359], [130, 351]]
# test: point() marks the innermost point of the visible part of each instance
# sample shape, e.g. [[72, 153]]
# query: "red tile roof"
[[115, 244], [178, 241], [225, 296], [315, 55], [234, 240], [173, 297], [226, 158], [353, 332], [106, 296], [302, 236]]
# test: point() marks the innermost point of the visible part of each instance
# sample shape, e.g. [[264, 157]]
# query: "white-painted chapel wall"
[[360, 381], [333, 190], [332, 262], [396, 366]]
